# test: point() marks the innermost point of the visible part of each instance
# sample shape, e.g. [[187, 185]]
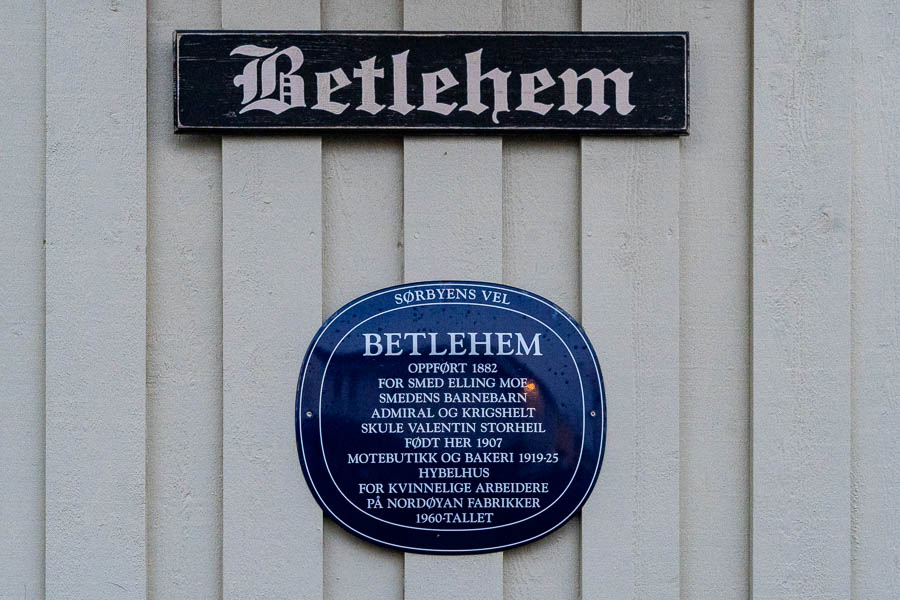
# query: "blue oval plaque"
[[450, 417]]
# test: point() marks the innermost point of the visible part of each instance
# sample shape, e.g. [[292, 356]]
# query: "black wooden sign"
[[633, 83]]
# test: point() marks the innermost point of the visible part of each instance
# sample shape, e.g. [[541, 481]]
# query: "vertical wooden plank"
[[452, 230], [22, 304], [801, 299], [184, 330], [362, 209], [630, 307], [541, 233], [715, 305], [271, 307], [363, 237], [875, 312], [96, 186], [385, 15]]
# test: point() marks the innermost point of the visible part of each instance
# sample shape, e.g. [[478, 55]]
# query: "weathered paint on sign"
[[600, 82], [450, 417]]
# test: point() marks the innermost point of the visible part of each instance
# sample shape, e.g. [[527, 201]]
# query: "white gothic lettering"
[[276, 84]]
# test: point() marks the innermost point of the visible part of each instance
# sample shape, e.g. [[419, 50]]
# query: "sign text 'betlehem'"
[[450, 417], [602, 82]]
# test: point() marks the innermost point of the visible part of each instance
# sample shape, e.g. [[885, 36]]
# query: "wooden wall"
[[741, 286]]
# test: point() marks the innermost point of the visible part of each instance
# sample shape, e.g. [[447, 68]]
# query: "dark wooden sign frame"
[[295, 81]]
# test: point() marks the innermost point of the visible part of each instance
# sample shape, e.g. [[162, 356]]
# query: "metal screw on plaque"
[[309, 414], [593, 413]]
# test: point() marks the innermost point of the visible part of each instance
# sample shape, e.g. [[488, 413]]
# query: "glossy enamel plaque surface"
[[450, 417]]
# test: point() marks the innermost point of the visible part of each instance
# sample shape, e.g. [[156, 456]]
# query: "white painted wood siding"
[[271, 296], [22, 121], [184, 330], [96, 296], [802, 170], [741, 285]]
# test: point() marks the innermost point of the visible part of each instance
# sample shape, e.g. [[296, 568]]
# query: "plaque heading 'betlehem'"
[[616, 83], [450, 417]]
